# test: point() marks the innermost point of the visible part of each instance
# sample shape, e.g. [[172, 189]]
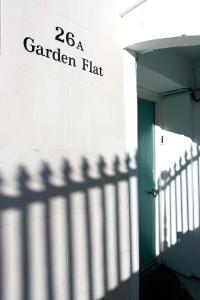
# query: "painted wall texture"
[[67, 163], [150, 30], [179, 198], [68, 132]]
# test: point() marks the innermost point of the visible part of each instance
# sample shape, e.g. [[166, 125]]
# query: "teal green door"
[[146, 125]]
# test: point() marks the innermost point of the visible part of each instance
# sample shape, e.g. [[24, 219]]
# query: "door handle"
[[153, 193]]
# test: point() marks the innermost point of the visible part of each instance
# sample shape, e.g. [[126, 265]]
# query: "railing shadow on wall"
[[40, 244], [178, 208]]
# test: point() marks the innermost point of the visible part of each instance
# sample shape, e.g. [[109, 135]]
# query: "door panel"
[[146, 122]]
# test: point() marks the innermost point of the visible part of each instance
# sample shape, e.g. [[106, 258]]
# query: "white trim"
[[148, 95], [129, 9], [130, 106]]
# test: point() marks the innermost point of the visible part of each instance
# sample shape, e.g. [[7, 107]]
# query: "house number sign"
[[57, 55]]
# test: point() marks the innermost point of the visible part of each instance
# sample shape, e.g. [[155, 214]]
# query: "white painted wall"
[[176, 191], [179, 199], [68, 203], [150, 22], [67, 229]]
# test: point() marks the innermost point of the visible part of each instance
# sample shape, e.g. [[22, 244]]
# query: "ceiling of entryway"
[[154, 81], [191, 53], [167, 69]]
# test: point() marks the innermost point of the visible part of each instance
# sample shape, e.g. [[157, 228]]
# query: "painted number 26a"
[[68, 38]]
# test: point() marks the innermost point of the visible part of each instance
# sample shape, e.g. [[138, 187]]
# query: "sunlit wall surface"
[[71, 240], [68, 174], [178, 209]]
